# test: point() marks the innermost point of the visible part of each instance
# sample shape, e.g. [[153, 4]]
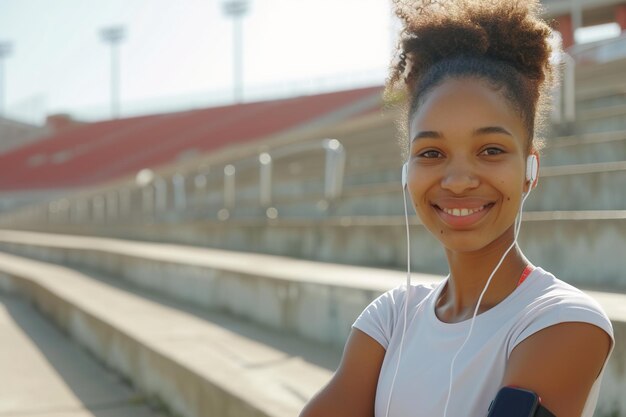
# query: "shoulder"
[[549, 301], [394, 299], [542, 358], [380, 317], [398, 294], [560, 363]]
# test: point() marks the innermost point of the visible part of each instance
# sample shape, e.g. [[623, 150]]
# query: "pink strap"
[[527, 271]]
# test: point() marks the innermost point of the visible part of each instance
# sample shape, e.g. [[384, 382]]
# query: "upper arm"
[[352, 389], [560, 363]]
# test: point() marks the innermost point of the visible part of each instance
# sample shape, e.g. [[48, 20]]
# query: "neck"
[[469, 273]]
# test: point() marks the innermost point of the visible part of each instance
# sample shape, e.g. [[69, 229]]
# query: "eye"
[[430, 154], [492, 151]]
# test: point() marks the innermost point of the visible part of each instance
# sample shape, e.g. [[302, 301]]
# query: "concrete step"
[[585, 149], [198, 364], [600, 79], [580, 187], [563, 241], [604, 119], [47, 375], [210, 278], [615, 97]]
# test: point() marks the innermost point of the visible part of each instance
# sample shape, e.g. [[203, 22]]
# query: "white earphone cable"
[[517, 225], [406, 301], [516, 228]]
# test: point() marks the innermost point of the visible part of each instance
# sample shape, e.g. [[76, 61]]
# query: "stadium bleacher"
[[101, 237]]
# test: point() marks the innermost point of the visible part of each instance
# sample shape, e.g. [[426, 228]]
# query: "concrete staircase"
[[196, 362], [210, 332]]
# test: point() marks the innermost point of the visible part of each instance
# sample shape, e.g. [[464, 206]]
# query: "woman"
[[475, 76]]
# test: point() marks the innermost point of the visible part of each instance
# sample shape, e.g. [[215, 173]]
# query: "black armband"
[[517, 402]]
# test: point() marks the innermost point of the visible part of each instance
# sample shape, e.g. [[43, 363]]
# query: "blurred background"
[[198, 198]]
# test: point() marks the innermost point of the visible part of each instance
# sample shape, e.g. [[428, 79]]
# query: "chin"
[[471, 240], [463, 244]]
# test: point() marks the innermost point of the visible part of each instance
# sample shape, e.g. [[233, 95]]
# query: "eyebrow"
[[480, 131]]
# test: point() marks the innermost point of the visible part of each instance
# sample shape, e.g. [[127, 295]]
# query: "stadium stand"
[[220, 329], [92, 153], [14, 134]]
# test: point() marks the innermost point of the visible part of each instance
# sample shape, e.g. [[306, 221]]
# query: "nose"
[[459, 177]]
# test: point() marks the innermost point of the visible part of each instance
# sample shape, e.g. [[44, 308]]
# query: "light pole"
[[237, 9], [5, 49], [114, 35]]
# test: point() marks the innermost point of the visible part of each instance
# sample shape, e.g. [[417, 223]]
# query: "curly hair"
[[502, 42]]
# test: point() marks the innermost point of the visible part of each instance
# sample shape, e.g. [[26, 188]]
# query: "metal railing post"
[[82, 210], [180, 195], [143, 180], [200, 182], [229, 186], [124, 196], [557, 105], [569, 89], [74, 212], [228, 192], [564, 95], [52, 207], [335, 163], [160, 189], [265, 180], [147, 198], [98, 209], [111, 205]]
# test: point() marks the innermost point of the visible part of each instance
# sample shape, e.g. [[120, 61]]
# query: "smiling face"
[[467, 164]]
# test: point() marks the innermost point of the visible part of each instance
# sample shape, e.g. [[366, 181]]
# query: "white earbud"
[[532, 167], [405, 174]]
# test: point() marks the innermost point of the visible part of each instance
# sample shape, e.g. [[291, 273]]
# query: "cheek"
[[418, 190], [511, 187], [416, 185]]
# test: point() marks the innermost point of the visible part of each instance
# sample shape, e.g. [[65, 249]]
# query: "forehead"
[[461, 106]]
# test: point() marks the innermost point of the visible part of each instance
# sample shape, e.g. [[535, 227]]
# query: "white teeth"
[[462, 211]]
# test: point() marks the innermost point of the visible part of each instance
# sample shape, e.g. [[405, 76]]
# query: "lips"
[[462, 213]]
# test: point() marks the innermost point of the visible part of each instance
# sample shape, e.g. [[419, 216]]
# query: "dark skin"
[[454, 164]]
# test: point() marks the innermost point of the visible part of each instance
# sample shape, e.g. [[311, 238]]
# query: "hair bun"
[[504, 30]]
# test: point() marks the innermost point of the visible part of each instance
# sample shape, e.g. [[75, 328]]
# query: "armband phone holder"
[[517, 402]]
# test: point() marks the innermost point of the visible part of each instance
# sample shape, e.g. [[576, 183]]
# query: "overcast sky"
[[179, 53]]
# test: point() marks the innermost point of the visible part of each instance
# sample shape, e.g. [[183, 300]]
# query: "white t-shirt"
[[421, 385]]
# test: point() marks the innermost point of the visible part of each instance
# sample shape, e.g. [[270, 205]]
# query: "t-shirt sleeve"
[[574, 308], [379, 317]]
